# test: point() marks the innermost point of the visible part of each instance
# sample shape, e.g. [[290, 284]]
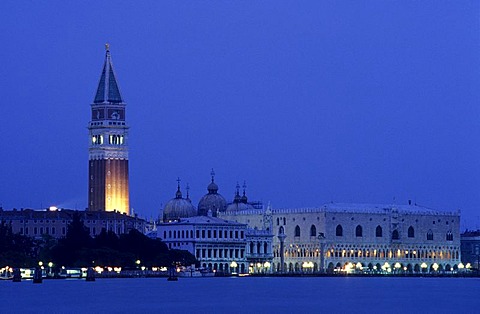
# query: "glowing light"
[[99, 269], [423, 265], [40, 263], [266, 265], [50, 264], [53, 208], [398, 265], [259, 264], [468, 266], [461, 266], [163, 268], [137, 262], [359, 265], [233, 264]]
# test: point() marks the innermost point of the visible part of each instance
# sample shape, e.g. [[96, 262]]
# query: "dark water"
[[244, 295]]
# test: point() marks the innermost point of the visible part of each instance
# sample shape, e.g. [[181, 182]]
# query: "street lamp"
[[424, 267], [233, 265], [266, 265]]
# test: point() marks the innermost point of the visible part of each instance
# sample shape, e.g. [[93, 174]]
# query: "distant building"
[[359, 237], [54, 222], [108, 188], [470, 246], [218, 244]]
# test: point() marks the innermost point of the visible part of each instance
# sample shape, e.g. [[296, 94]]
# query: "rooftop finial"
[[107, 47], [244, 187], [179, 193], [188, 191], [212, 173]]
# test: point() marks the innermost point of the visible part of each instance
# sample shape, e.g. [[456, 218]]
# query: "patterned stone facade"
[[359, 237]]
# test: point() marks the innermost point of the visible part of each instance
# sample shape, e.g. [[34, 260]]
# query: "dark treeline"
[[78, 248]]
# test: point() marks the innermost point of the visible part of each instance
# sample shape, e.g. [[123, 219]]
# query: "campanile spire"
[[108, 188]]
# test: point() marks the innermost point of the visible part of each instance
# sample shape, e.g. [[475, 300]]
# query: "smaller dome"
[[239, 202], [213, 201], [238, 206], [178, 207]]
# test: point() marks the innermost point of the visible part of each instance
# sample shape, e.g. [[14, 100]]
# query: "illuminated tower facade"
[[108, 149]]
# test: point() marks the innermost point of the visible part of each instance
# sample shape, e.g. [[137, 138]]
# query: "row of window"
[[113, 139], [359, 232], [204, 234], [297, 232], [220, 253], [395, 233], [41, 230], [257, 248], [39, 221]]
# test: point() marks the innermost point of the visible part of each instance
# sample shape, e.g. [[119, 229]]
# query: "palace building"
[[108, 151], [360, 237]]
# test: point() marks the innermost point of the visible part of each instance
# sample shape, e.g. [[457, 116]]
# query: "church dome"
[[178, 207], [239, 202], [212, 201]]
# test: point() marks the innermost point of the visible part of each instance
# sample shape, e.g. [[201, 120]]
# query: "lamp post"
[[266, 266]]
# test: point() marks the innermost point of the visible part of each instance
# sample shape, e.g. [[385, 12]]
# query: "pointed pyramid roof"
[[108, 90]]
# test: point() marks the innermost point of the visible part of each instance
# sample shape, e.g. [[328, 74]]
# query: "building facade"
[[470, 246], [54, 222], [108, 188], [218, 244], [360, 237]]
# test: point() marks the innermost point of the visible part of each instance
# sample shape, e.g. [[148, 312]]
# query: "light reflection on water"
[[240, 295]]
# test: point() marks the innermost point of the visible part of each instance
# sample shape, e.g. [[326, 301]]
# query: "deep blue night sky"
[[309, 102]]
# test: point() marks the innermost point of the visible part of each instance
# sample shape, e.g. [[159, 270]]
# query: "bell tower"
[[108, 149]]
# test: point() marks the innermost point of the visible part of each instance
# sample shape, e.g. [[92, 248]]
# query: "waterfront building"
[[360, 237], [53, 222], [470, 247], [218, 244], [108, 188]]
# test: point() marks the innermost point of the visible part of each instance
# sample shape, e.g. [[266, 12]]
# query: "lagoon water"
[[242, 295]]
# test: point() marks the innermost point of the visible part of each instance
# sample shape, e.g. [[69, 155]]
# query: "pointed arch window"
[[395, 235], [358, 231], [430, 235], [313, 231], [449, 236], [281, 230], [339, 231], [378, 232], [411, 232], [297, 231]]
